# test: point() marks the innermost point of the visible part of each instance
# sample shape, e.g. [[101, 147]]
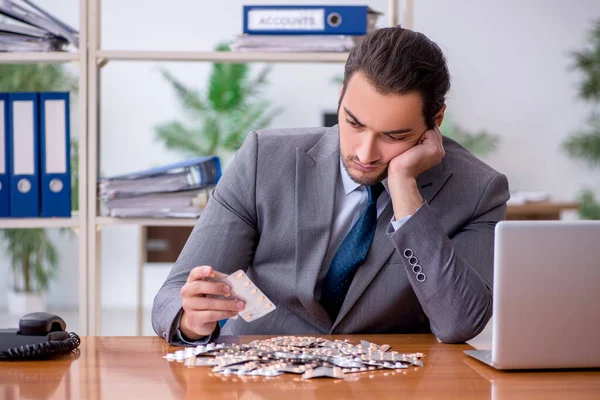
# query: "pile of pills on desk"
[[310, 356]]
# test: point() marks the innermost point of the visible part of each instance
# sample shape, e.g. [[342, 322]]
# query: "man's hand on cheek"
[[405, 168], [426, 153]]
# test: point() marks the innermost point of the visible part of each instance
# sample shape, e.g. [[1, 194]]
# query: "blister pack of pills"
[[312, 357], [257, 304]]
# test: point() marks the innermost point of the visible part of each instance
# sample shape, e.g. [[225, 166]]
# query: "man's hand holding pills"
[[201, 313]]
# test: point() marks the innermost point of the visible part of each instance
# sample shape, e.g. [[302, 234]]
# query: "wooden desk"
[[133, 368], [543, 210]]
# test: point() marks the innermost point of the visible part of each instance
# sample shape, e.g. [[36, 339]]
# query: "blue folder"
[[205, 170], [4, 157], [308, 20], [55, 154], [24, 169]]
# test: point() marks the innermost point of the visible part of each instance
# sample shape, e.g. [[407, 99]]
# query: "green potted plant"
[[33, 257], [585, 144], [230, 107]]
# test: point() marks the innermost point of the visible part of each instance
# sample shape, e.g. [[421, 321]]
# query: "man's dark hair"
[[400, 61]]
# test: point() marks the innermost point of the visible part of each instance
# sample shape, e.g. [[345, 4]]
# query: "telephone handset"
[[40, 335]]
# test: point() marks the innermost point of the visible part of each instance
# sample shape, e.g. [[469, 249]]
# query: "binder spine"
[[4, 157], [24, 170], [55, 155], [306, 20]]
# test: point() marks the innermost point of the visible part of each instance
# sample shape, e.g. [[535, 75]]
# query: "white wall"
[[508, 62]]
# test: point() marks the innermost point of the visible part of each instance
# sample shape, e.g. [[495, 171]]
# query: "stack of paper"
[[298, 43], [30, 28], [176, 190]]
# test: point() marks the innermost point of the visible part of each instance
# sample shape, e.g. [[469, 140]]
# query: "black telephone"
[[40, 335]]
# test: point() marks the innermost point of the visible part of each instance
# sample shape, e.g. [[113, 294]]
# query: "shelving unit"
[[214, 56], [78, 222], [8, 223], [102, 221], [52, 57], [93, 59], [90, 58]]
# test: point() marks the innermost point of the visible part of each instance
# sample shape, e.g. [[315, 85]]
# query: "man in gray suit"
[[378, 225]]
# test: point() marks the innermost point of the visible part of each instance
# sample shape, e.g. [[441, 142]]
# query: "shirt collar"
[[349, 184]]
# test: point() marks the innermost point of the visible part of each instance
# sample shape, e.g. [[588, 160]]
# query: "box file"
[[55, 165], [300, 19], [4, 159], [24, 166]]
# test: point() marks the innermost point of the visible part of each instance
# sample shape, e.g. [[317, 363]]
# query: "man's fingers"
[[199, 273], [197, 319], [211, 304], [199, 288], [438, 135]]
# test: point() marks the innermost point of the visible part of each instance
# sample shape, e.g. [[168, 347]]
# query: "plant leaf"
[[230, 110], [36, 78], [587, 61], [175, 135], [190, 99], [588, 207], [255, 86], [585, 145], [226, 89], [481, 143]]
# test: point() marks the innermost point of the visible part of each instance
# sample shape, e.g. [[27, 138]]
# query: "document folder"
[[55, 154], [4, 160], [37, 17], [23, 139], [299, 20], [197, 171]]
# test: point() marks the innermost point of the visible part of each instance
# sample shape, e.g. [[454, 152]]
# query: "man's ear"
[[439, 117]]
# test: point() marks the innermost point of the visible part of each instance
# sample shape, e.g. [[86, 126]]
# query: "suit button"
[[408, 253], [417, 269], [421, 277], [413, 261]]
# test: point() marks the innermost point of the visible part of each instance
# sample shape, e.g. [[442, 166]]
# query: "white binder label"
[[2, 139], [23, 134], [55, 130], [290, 20]]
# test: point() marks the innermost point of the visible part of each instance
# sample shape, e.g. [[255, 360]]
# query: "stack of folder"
[[30, 28], [302, 28], [35, 166], [175, 190]]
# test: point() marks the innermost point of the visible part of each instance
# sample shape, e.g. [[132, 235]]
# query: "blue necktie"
[[350, 255]]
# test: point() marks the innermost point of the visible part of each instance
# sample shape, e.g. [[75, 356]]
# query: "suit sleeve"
[[453, 276], [224, 237]]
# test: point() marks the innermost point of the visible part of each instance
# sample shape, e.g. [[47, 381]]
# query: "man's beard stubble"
[[363, 180]]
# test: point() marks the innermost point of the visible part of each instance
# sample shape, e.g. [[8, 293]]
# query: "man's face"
[[375, 128]]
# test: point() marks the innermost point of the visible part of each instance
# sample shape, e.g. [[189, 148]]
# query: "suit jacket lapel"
[[429, 183], [316, 174]]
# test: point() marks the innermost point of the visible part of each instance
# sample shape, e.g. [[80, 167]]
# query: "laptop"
[[546, 311]]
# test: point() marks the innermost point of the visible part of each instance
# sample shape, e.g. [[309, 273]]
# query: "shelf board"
[[100, 221], [7, 223], [220, 56], [34, 57]]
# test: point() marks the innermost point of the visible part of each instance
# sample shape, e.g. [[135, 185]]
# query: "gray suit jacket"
[[271, 215]]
